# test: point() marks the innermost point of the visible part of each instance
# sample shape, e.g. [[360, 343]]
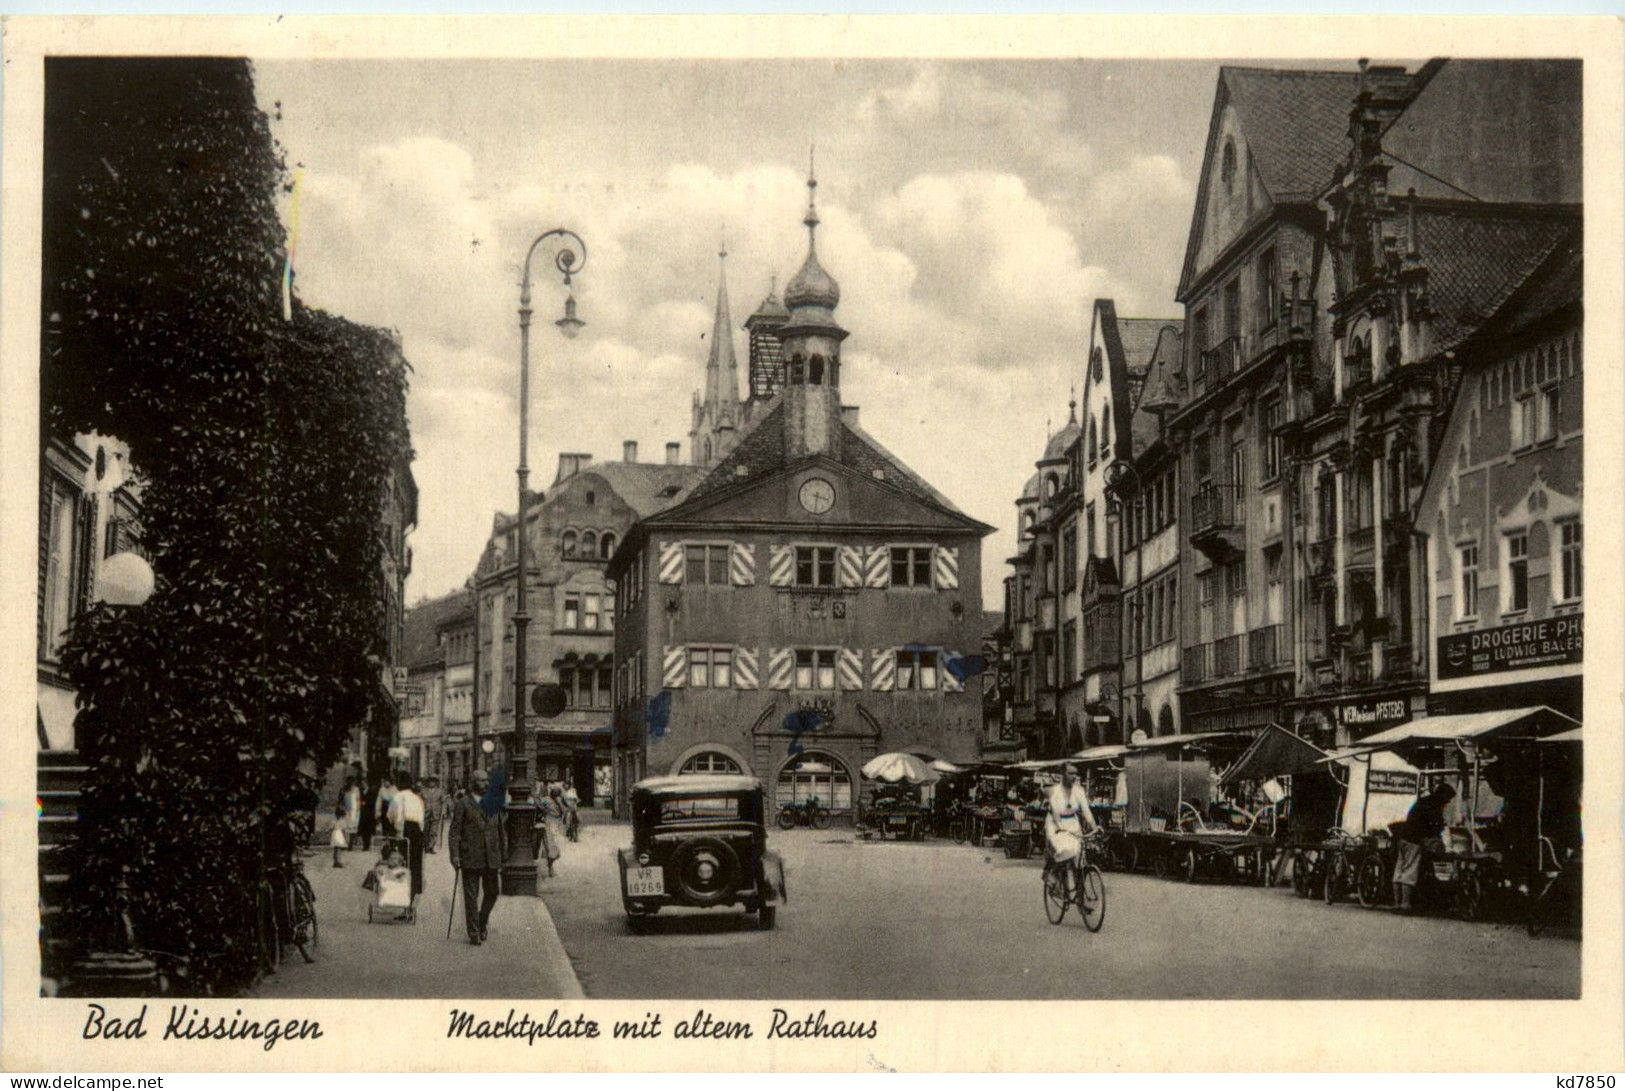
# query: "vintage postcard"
[[805, 543]]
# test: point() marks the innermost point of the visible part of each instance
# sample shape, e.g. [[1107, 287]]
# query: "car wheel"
[[706, 871], [766, 916]]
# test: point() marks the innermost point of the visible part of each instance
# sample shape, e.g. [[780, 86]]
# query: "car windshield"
[[700, 808]]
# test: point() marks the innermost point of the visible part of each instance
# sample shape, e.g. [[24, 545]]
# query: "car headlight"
[[643, 859]]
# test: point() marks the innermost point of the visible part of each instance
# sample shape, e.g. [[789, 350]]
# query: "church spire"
[[722, 369]]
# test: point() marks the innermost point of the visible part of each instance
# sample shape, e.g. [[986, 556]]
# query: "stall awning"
[[1564, 736], [1537, 721], [1200, 738], [1276, 753], [1100, 753]]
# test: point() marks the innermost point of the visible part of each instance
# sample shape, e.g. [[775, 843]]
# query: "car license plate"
[[1444, 870], [897, 821], [644, 881]]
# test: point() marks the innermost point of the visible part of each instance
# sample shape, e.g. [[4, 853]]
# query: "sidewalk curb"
[[556, 964]]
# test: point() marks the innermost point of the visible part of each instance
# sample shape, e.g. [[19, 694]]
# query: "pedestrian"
[[337, 838], [380, 805], [1421, 829], [550, 826], [367, 823], [434, 809], [406, 814], [478, 846], [350, 803]]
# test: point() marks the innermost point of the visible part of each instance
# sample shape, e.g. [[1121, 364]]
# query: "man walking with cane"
[[477, 845]]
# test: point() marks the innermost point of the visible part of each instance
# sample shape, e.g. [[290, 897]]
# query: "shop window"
[[815, 774]]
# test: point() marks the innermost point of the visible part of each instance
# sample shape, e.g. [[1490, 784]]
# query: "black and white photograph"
[[809, 529]]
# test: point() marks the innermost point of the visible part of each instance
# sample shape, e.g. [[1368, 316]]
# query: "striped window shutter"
[[849, 668], [671, 562], [742, 564], [676, 667], [781, 666], [878, 571], [745, 675], [947, 679], [947, 568], [781, 566], [852, 563], [883, 669]]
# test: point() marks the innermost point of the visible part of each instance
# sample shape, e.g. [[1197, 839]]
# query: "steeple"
[[813, 294], [722, 369], [812, 348]]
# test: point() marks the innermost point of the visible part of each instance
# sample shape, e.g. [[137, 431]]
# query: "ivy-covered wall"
[[265, 446]]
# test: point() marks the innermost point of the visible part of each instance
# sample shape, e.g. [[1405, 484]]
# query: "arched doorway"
[[1165, 720], [815, 774]]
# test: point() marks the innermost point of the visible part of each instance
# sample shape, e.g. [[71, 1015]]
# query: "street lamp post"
[[1119, 470], [519, 870]]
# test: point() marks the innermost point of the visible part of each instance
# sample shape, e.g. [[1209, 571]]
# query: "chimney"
[[570, 464], [849, 416], [673, 451], [629, 451]]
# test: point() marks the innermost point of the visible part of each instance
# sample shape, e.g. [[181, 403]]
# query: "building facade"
[[574, 530], [807, 605], [89, 511]]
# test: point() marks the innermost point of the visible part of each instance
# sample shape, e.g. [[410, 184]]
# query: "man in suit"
[[478, 845]]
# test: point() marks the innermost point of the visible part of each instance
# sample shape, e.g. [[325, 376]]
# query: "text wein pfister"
[[1511, 647]]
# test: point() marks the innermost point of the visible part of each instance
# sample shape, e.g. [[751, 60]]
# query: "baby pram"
[[391, 894]]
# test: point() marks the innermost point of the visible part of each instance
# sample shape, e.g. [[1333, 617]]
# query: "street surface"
[[521, 959], [889, 920]]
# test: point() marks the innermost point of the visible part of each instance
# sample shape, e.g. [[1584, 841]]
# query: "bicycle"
[[284, 913], [1076, 882], [803, 814]]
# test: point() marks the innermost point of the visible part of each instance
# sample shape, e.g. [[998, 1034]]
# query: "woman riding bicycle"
[[1068, 822]]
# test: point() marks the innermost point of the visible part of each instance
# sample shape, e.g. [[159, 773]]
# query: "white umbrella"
[[895, 768], [943, 765]]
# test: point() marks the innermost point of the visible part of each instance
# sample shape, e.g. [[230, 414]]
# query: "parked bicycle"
[[285, 903], [805, 813]]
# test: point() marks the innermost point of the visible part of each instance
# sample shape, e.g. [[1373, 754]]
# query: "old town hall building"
[[811, 602]]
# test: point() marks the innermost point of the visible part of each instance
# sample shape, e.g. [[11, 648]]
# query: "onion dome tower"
[[812, 348]]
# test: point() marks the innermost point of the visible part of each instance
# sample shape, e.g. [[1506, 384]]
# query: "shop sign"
[[1374, 713], [1511, 647], [1391, 781]]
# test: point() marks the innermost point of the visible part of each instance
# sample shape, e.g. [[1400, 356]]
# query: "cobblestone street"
[[939, 920]]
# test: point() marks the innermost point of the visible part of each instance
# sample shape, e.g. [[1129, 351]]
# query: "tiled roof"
[[423, 622], [1505, 130], [1139, 336], [1476, 258], [1164, 386], [647, 487], [1296, 124], [1555, 285], [762, 450]]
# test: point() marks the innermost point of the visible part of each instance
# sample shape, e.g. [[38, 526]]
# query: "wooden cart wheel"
[[1336, 877], [1371, 882], [1191, 864], [1469, 898], [1162, 863]]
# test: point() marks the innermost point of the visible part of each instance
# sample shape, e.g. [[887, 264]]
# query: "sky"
[[972, 213]]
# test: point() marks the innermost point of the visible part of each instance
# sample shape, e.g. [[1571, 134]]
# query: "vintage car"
[[699, 840]]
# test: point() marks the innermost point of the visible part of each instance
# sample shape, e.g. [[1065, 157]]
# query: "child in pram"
[[390, 881]]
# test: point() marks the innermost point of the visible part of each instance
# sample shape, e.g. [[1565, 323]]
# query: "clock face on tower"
[[817, 495]]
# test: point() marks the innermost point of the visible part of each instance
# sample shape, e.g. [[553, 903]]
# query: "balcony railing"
[[1227, 656], [1214, 366], [1213, 508], [1322, 558], [1264, 648]]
